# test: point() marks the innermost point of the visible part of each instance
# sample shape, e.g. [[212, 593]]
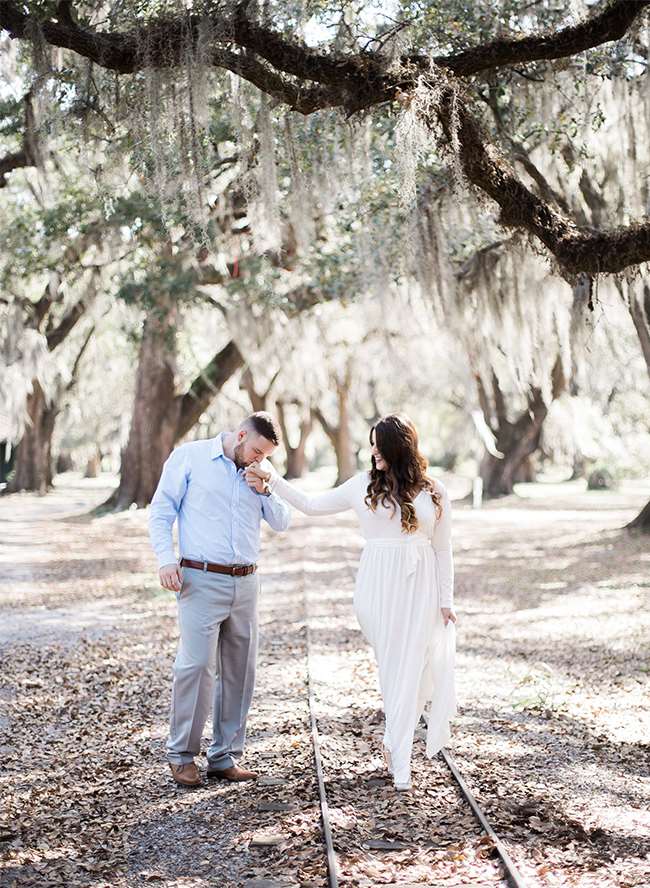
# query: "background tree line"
[[330, 214]]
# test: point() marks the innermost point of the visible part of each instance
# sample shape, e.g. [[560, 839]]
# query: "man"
[[216, 585]]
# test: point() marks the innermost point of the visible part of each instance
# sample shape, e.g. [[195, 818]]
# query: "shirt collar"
[[217, 447]]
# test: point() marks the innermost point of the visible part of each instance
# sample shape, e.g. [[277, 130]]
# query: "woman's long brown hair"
[[406, 475]]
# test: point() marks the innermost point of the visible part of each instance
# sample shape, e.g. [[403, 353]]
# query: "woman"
[[403, 597]]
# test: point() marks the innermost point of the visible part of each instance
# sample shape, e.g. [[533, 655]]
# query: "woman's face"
[[380, 462]]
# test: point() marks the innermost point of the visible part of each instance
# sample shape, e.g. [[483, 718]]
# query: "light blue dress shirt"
[[218, 514]]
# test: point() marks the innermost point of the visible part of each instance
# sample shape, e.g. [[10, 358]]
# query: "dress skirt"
[[397, 603]]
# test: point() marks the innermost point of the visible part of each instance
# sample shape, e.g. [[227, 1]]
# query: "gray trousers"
[[215, 665]]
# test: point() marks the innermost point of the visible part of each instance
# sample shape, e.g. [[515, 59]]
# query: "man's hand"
[[171, 577], [448, 615], [257, 485]]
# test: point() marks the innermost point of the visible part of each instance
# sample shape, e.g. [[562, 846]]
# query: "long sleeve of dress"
[[441, 542], [338, 499]]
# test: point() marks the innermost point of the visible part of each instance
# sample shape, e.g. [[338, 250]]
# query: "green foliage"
[[163, 280], [454, 25], [34, 238], [12, 117], [541, 690]]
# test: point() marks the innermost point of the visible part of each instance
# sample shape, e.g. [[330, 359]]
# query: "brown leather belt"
[[234, 570]]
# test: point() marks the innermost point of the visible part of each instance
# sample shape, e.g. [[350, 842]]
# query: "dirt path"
[[553, 683]]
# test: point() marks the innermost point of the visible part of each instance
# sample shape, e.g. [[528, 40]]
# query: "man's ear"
[[241, 435]]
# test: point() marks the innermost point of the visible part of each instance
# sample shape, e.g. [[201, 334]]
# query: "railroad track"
[[335, 872]]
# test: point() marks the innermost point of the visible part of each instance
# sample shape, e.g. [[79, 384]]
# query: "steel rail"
[[332, 862], [513, 876]]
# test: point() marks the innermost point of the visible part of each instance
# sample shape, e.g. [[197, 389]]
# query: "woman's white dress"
[[403, 581]]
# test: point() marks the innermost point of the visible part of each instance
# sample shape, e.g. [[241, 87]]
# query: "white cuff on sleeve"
[[273, 480]]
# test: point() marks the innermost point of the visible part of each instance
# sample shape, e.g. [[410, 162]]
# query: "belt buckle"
[[205, 567]]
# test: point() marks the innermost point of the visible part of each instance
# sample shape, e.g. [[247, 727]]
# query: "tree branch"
[[612, 23], [206, 385], [576, 249], [77, 361], [27, 155], [160, 44], [500, 408], [14, 161], [355, 82], [306, 425], [247, 382], [484, 402], [55, 336], [545, 188], [329, 430], [67, 323]]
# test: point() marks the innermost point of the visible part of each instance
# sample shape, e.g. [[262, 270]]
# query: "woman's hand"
[[256, 477], [448, 614], [254, 472]]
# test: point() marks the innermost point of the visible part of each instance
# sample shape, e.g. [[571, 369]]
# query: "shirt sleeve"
[[276, 512], [166, 504], [338, 499], [441, 542]]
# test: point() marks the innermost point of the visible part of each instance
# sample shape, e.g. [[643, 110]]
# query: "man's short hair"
[[265, 425]]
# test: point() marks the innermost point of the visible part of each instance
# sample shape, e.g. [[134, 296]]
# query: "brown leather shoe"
[[186, 775], [235, 773]]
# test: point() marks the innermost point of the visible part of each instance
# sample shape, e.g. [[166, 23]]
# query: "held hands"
[[256, 477], [171, 577], [448, 615]]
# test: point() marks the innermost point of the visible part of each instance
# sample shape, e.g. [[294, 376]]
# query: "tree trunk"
[[518, 440], [93, 466], [63, 463], [161, 416], [296, 457], [259, 400], [296, 463], [7, 458], [33, 464], [579, 466], [526, 471], [642, 520], [345, 458], [339, 435], [639, 306], [156, 411]]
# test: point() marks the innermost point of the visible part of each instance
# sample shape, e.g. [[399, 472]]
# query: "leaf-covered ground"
[[553, 734]]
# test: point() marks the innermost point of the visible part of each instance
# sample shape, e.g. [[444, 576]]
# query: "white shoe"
[[403, 787]]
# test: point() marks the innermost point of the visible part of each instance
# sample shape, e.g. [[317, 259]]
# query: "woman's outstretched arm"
[[338, 499]]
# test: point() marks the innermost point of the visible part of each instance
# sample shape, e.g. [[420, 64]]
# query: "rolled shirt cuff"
[[167, 558]]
